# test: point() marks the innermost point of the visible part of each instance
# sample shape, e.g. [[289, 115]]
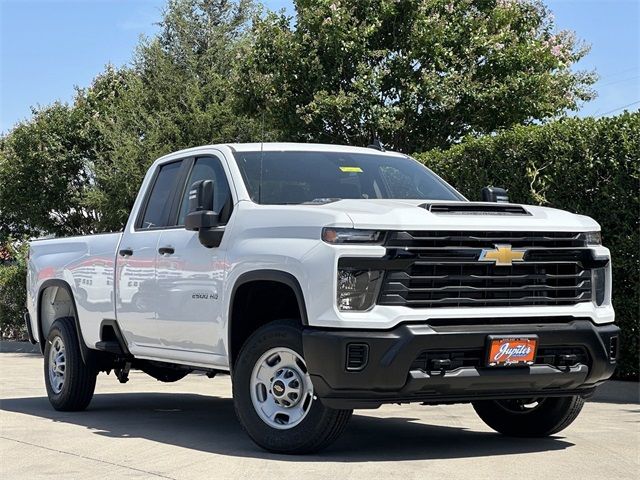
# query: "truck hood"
[[412, 215]]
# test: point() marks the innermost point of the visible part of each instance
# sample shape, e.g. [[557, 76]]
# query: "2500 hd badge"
[[345, 278]]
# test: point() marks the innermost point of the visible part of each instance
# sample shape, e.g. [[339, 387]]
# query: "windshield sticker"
[[351, 169]]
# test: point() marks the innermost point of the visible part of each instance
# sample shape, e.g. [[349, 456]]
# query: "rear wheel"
[[274, 397], [533, 417], [70, 382]]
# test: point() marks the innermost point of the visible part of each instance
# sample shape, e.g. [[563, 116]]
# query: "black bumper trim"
[[388, 378]]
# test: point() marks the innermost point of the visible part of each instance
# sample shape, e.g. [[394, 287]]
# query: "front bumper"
[[390, 374]]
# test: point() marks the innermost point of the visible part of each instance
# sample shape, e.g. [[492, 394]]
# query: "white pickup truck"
[[326, 278]]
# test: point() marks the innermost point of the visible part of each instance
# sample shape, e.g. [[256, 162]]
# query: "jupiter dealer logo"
[[507, 352]]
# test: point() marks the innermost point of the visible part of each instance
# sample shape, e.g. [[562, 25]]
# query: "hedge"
[[587, 166], [13, 293]]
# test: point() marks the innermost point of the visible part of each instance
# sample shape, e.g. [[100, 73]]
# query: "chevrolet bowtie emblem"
[[502, 255]]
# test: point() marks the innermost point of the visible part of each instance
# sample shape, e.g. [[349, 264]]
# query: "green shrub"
[[587, 166], [13, 294]]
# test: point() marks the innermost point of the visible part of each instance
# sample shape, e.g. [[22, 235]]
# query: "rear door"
[[136, 283], [191, 277]]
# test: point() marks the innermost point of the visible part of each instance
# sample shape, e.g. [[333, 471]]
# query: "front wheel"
[[533, 417], [274, 397]]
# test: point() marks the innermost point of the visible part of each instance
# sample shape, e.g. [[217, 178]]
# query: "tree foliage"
[[13, 295], [44, 176], [417, 73]]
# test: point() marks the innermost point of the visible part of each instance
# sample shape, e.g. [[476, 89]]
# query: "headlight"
[[357, 289], [592, 238], [350, 235], [599, 281]]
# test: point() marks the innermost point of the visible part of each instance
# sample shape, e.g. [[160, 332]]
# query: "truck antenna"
[[377, 144]]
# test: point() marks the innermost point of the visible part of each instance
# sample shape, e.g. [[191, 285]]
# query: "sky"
[[48, 47]]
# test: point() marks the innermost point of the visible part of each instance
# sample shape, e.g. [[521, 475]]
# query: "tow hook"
[[567, 361], [123, 373], [441, 365]]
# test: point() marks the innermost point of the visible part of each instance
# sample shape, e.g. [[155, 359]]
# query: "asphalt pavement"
[[188, 430]]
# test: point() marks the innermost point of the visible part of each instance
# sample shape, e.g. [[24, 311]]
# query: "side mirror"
[[495, 194], [201, 217]]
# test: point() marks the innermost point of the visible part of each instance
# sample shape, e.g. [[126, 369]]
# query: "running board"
[[110, 346]]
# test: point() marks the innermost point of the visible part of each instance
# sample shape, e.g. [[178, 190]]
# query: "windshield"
[[309, 177]]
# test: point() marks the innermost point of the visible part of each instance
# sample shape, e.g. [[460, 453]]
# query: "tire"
[[526, 418], [298, 428], [73, 390]]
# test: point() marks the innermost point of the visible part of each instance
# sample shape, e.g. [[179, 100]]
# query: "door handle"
[[166, 250], [126, 252]]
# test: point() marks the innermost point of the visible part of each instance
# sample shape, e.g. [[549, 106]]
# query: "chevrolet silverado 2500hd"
[[326, 278]]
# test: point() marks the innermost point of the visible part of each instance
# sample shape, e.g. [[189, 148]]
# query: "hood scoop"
[[474, 208]]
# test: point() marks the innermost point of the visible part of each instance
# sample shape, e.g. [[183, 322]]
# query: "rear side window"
[[209, 168], [156, 213]]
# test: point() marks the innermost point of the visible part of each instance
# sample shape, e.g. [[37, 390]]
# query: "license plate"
[[511, 351]]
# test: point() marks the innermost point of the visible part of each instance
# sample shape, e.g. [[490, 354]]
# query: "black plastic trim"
[[27, 321], [122, 343], [272, 276], [266, 275], [389, 378]]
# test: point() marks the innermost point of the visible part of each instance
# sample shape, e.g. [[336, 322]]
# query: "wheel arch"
[[60, 284], [279, 277]]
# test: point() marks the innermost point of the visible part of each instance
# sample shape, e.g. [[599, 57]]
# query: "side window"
[[156, 212], [209, 168]]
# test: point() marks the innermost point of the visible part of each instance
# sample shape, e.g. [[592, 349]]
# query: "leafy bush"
[[13, 295], [587, 166]]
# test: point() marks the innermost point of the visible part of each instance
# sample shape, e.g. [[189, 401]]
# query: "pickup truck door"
[[136, 284], [190, 276]]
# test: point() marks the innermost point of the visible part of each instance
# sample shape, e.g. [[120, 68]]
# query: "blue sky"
[[49, 46]]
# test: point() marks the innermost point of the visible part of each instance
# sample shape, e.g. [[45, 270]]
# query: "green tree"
[[418, 73], [43, 175], [178, 93]]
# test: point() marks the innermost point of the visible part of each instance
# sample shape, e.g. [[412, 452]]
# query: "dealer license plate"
[[511, 351]]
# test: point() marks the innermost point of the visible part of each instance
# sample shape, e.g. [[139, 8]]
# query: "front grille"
[[431, 360], [443, 269], [440, 239]]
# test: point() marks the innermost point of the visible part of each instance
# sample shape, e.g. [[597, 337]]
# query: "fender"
[[84, 350]]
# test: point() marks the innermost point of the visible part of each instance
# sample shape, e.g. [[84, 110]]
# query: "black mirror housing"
[[201, 218], [495, 194], [201, 196]]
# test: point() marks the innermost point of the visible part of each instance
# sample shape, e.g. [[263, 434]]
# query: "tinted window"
[[209, 168], [298, 177], [157, 211]]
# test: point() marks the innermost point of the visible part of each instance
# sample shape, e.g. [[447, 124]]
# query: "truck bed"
[[87, 265]]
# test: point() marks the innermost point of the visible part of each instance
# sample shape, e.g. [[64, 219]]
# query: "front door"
[[190, 277]]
